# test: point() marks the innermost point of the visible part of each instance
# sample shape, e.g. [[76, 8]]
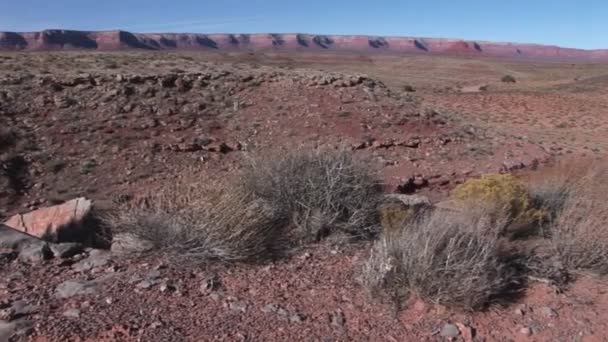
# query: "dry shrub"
[[446, 257], [508, 79], [321, 191], [579, 231], [204, 222], [500, 196]]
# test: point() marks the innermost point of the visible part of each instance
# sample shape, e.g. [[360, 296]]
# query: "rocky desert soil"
[[110, 126]]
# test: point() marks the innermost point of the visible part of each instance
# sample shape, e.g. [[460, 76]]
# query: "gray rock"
[[338, 319], [270, 308], [96, 258], [449, 330], [297, 318], [72, 288], [146, 284], [13, 239], [72, 313], [525, 331], [7, 330], [15, 328], [240, 306], [22, 308], [66, 250], [35, 253], [125, 243]]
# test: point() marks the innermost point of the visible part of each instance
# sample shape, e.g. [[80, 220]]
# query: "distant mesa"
[[57, 39], [322, 41], [277, 39], [302, 39], [420, 45], [378, 42], [12, 41]]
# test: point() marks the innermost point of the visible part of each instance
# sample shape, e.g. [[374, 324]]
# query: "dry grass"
[[321, 192], [204, 223], [449, 258], [578, 230], [277, 202]]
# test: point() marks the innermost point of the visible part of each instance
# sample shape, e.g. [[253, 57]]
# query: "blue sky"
[[580, 23]]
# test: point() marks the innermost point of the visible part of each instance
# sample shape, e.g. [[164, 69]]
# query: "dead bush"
[[320, 191], [204, 222], [445, 257], [579, 231]]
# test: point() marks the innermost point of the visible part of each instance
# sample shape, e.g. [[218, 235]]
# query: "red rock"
[[51, 220]]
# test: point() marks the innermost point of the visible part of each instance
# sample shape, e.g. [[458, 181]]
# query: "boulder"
[[14, 239], [59, 222]]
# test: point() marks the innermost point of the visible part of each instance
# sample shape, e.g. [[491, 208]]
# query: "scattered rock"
[[35, 253], [338, 319], [240, 306], [16, 240], [66, 250], [525, 331], [15, 328], [549, 312], [449, 330], [71, 313], [73, 288], [96, 258], [59, 222]]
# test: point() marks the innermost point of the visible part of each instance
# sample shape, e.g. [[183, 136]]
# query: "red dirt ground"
[[109, 126]]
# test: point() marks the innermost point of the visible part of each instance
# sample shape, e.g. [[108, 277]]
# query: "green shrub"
[[508, 79], [500, 196]]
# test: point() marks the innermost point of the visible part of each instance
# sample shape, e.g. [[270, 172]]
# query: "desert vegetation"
[[276, 202], [478, 252]]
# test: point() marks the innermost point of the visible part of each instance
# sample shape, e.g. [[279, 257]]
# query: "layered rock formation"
[[118, 40]]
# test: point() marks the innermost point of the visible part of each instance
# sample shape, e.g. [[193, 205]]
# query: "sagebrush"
[[321, 192], [204, 223], [446, 257]]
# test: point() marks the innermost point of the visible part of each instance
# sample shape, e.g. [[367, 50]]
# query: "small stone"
[[449, 330], [549, 312], [210, 284], [66, 250], [297, 318], [167, 287], [96, 259], [35, 253], [156, 324], [525, 331], [72, 313], [146, 284], [338, 319], [72, 288], [238, 306], [270, 308]]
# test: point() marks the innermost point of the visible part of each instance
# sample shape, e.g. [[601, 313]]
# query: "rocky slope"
[[116, 40]]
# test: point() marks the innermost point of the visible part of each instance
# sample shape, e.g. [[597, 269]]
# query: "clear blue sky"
[[575, 23]]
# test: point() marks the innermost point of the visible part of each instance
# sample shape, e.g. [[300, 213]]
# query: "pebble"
[[525, 331], [449, 330], [549, 312], [72, 313]]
